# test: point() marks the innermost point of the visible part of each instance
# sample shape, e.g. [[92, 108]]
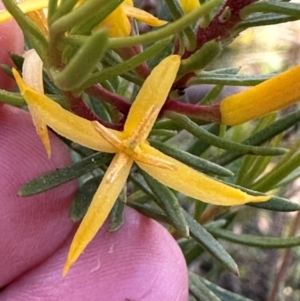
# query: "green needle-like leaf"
[[274, 204], [201, 58], [117, 213], [191, 160], [82, 64], [199, 290], [170, 204], [207, 137], [289, 9], [227, 79], [83, 198], [124, 67], [64, 175], [31, 31], [262, 136], [168, 30], [200, 234], [270, 180], [211, 245], [223, 294], [255, 241]]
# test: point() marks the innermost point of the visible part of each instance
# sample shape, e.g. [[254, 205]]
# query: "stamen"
[[153, 160], [108, 135], [143, 128], [118, 162]]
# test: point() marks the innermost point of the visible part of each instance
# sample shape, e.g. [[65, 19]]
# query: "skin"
[[9, 43], [139, 262]]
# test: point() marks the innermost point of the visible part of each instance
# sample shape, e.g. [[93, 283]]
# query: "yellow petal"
[[32, 70], [142, 16], [40, 20], [62, 121], [102, 203], [271, 95], [128, 2], [147, 158], [33, 76], [117, 23], [26, 6], [195, 184], [189, 5], [153, 93]]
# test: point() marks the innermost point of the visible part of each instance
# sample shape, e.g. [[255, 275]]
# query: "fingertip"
[[141, 261]]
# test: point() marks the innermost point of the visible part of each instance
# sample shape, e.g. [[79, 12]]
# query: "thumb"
[[141, 261]]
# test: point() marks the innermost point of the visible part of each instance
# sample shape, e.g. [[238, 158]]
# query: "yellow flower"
[[272, 95], [117, 23], [130, 146], [189, 5]]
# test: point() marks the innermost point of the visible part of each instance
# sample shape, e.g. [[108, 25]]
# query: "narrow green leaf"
[[168, 30], [255, 241], [11, 98], [52, 7], [190, 249], [271, 179], [64, 8], [211, 139], [253, 166], [211, 245], [169, 202], [191, 160], [286, 8], [63, 175], [261, 137], [213, 78], [211, 96], [223, 294], [90, 24], [199, 290], [200, 234], [163, 134], [82, 64], [29, 28], [121, 68], [82, 14], [263, 20], [83, 198], [289, 179], [199, 146], [177, 13], [17, 60], [201, 58], [228, 70], [155, 214], [275, 203], [117, 214]]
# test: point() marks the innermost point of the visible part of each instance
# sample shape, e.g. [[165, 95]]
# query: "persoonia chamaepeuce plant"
[[116, 97]]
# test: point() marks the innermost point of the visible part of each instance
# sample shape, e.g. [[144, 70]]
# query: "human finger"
[[31, 228], [140, 261]]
